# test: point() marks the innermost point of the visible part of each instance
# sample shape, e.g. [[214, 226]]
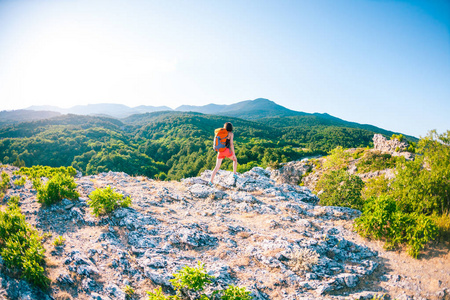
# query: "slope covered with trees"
[[168, 145]]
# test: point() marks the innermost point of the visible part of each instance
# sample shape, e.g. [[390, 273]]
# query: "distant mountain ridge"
[[261, 110], [249, 109], [109, 109]]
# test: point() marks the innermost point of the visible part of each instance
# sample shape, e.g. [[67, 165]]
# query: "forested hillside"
[[169, 145]]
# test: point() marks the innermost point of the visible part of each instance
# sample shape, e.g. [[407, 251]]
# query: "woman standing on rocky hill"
[[229, 152]]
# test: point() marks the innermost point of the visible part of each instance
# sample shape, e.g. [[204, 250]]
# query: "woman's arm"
[[232, 143]]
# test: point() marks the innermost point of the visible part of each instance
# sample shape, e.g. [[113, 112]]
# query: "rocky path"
[[249, 231]]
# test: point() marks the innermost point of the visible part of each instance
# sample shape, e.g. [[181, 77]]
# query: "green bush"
[[339, 188], [104, 201], [337, 159], [190, 279], [398, 137], [56, 188], [375, 161], [383, 218], [36, 172], [375, 187], [20, 246], [236, 293], [4, 183], [158, 294], [20, 182]]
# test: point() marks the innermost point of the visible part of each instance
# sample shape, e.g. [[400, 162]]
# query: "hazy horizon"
[[384, 63]]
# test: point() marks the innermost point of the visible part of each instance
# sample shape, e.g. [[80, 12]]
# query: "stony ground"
[[249, 231]]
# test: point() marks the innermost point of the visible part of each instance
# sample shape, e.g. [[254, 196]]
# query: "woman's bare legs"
[[218, 164], [234, 164]]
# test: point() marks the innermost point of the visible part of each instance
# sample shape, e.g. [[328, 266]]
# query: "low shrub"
[[20, 246], [59, 241], [55, 189], [383, 219], [235, 293], [45, 171], [4, 183], [443, 225], [374, 161], [375, 187], [337, 159], [339, 188], [189, 282], [21, 181], [104, 201], [191, 278]]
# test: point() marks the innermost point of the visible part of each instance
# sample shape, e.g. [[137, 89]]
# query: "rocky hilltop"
[[248, 231]]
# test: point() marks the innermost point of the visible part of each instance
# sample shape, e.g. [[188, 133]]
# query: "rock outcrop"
[[291, 172], [384, 145]]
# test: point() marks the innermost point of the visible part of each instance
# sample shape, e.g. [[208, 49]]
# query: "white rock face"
[[291, 172], [388, 146]]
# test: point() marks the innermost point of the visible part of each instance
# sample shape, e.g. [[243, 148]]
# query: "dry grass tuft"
[[62, 296], [303, 259], [243, 234]]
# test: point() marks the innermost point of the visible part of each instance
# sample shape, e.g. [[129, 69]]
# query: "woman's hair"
[[228, 126]]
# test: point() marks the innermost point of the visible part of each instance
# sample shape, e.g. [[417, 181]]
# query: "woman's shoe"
[[210, 184]]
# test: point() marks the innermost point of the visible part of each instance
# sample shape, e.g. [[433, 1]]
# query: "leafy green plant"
[[45, 171], [20, 182], [382, 218], [4, 183], [398, 137], [375, 161], [20, 246], [56, 188], [195, 279], [158, 294], [129, 291], [375, 187], [337, 159], [104, 201], [191, 278], [236, 293], [358, 153], [14, 200], [59, 241], [339, 188]]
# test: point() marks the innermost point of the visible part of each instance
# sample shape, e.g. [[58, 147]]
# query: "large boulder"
[[291, 172], [388, 146]]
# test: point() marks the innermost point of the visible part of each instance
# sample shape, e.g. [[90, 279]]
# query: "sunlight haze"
[[385, 63]]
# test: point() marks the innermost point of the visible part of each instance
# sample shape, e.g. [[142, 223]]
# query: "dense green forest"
[[170, 145]]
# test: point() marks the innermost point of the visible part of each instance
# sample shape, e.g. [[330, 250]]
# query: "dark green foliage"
[[383, 218], [104, 201], [58, 187], [20, 246], [375, 161], [423, 185], [339, 188]]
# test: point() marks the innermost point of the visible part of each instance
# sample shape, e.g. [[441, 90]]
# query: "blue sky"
[[385, 63]]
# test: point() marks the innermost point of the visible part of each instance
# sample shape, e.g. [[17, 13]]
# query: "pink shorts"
[[226, 153]]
